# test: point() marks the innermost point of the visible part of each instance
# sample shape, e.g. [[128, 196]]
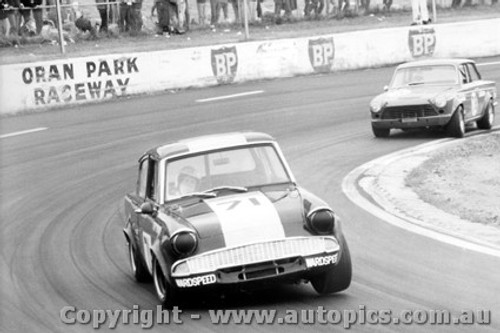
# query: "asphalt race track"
[[62, 191]]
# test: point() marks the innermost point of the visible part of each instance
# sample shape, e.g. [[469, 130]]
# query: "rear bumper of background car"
[[284, 263], [439, 120]]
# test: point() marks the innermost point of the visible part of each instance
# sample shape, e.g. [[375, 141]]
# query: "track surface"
[[62, 190]]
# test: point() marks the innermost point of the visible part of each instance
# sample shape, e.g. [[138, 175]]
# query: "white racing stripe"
[[8, 135], [247, 218], [248, 93]]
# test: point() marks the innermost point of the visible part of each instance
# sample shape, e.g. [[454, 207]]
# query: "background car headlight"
[[376, 105], [184, 243], [439, 101], [321, 221]]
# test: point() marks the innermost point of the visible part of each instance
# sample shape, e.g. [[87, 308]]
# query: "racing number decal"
[[474, 104], [321, 54], [247, 218], [233, 203], [224, 64], [146, 243]]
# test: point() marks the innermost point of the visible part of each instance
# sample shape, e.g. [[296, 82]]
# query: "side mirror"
[[386, 88], [147, 208]]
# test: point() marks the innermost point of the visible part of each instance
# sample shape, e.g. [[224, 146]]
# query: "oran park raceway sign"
[[66, 82]]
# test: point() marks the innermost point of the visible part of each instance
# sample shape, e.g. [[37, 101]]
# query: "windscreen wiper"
[[228, 188]]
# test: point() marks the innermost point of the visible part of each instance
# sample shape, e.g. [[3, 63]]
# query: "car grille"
[[411, 111], [254, 253]]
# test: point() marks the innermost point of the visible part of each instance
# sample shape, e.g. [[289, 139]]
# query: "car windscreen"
[[238, 167], [422, 75]]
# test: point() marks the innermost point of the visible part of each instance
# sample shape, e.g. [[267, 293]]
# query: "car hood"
[[412, 95], [236, 219]]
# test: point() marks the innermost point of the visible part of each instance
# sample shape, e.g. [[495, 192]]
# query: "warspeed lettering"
[[321, 261], [196, 281]]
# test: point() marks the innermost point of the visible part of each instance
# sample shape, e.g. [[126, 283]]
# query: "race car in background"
[[225, 211], [445, 93]]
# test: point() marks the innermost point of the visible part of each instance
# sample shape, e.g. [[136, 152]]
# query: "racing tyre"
[[164, 291], [456, 126], [381, 132], [337, 278], [137, 266], [486, 122]]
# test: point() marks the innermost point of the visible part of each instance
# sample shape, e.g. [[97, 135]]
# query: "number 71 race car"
[[225, 211], [435, 93]]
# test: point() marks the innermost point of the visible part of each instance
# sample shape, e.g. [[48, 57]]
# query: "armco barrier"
[[48, 84]]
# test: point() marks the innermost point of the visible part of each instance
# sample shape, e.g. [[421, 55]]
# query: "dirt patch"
[[464, 180]]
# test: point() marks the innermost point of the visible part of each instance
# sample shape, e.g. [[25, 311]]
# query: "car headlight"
[[184, 243], [440, 101], [376, 105], [321, 220]]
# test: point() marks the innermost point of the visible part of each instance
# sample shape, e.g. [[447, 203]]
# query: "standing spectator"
[[31, 6], [365, 4], [456, 3], [105, 8], [222, 5], [163, 9], [9, 13], [236, 10], [420, 12], [136, 16], [387, 5], [130, 17], [202, 14]]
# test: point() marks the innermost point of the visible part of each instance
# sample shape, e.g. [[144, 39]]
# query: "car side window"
[[474, 74], [142, 180], [146, 184], [464, 74]]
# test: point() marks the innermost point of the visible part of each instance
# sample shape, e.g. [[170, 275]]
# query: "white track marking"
[[248, 93], [8, 135], [488, 63]]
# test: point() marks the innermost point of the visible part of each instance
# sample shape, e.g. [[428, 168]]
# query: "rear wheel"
[[486, 122], [164, 291], [456, 126], [338, 277], [381, 132], [137, 266]]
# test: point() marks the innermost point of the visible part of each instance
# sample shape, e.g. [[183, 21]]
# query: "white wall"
[[58, 83]]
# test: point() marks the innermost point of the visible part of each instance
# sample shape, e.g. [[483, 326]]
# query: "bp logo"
[[224, 64], [321, 54], [422, 42]]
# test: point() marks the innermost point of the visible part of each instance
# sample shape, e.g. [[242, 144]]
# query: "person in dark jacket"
[[31, 6]]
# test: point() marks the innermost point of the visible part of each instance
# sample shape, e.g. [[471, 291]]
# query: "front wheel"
[[337, 278], [456, 126], [137, 266], [164, 291], [486, 122], [381, 132]]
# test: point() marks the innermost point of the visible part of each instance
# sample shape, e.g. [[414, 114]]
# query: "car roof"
[[206, 143], [438, 61]]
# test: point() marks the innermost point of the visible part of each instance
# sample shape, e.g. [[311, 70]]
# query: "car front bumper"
[[290, 258], [417, 122]]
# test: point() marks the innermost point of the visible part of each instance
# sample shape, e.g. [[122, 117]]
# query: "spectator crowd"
[[27, 17]]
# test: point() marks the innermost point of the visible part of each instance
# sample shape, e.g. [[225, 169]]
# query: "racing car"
[[225, 211], [435, 93]]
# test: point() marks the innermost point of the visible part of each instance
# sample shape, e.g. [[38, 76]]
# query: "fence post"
[[59, 27]]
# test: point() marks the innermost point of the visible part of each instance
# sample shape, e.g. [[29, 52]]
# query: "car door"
[[479, 88], [147, 224], [468, 91]]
